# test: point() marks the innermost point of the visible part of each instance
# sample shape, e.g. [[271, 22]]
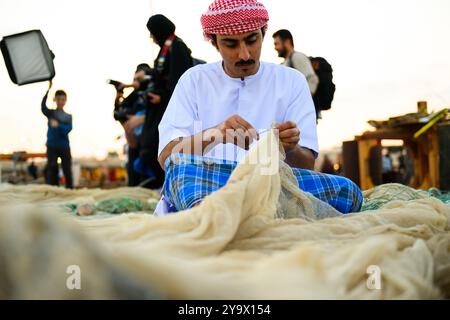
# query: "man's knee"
[[350, 191]]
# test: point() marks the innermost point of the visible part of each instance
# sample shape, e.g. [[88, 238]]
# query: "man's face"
[[280, 46], [240, 53], [139, 75], [60, 101], [153, 38]]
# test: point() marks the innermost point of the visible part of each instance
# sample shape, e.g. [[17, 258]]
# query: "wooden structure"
[[22, 156], [431, 153]]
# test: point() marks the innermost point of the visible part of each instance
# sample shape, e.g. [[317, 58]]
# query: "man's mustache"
[[243, 63]]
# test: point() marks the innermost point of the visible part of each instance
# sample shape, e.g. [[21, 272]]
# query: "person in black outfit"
[[134, 121], [173, 60], [33, 170], [59, 127]]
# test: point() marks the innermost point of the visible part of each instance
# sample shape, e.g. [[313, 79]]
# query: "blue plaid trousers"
[[190, 178]]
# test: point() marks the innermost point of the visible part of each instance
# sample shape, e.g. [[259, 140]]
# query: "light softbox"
[[27, 57]]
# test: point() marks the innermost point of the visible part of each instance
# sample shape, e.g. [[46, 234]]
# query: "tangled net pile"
[[259, 237]]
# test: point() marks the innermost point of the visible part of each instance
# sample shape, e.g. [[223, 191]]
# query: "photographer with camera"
[[130, 112], [172, 61]]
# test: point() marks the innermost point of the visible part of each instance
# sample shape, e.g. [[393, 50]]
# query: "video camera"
[[116, 84], [136, 101]]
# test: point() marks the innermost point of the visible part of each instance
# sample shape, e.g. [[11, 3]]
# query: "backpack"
[[325, 91]]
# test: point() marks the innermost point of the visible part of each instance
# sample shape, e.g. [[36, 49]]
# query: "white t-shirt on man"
[[206, 96], [301, 62]]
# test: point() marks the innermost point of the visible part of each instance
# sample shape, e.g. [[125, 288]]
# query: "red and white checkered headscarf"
[[231, 17]]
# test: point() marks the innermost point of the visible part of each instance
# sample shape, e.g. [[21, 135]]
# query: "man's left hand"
[[289, 135], [154, 98]]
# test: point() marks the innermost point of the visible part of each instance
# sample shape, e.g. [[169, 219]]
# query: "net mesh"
[[259, 237]]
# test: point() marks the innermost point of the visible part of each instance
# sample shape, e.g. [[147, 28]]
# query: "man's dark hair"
[[59, 93], [284, 35], [144, 67], [214, 37]]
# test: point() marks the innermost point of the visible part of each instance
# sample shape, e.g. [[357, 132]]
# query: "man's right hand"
[[54, 123], [238, 131], [50, 84], [234, 130]]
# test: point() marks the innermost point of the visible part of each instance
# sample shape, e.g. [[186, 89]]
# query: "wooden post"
[[364, 148]]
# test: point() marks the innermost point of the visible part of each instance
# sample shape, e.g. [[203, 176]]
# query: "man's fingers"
[[236, 128], [290, 136], [286, 126], [248, 127], [288, 133], [293, 140], [245, 138], [236, 125], [237, 122], [239, 137], [243, 122], [239, 132], [233, 124]]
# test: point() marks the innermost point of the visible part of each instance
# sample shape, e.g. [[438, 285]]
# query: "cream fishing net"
[[259, 237]]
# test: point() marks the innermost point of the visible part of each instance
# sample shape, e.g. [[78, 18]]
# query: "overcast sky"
[[386, 55]]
